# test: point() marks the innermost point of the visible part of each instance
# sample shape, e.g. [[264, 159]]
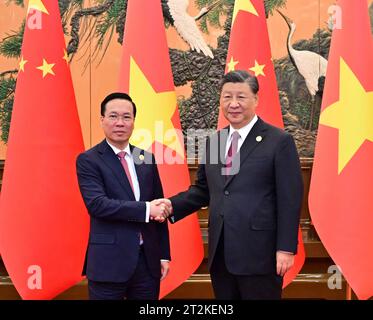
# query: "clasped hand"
[[160, 209]]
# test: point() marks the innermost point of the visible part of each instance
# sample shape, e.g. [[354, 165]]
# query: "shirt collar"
[[127, 149], [244, 131]]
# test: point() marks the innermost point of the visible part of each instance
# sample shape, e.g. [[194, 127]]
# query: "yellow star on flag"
[[46, 68], [37, 5], [155, 113], [352, 115], [65, 56], [231, 64], [245, 5], [22, 64], [258, 69]]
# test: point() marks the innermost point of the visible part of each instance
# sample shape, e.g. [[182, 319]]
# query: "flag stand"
[[348, 292]]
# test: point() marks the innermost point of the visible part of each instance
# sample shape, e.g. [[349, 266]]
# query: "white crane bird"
[[309, 64], [186, 25]]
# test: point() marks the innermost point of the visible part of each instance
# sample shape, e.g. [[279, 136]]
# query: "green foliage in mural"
[[213, 17], [17, 2], [271, 5], [7, 86], [10, 46]]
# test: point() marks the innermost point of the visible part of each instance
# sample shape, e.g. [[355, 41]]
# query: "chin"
[[235, 121]]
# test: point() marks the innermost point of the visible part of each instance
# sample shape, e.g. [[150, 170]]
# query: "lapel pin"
[[259, 138], [141, 157]]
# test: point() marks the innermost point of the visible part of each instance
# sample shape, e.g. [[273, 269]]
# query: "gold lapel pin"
[[259, 138], [141, 157]]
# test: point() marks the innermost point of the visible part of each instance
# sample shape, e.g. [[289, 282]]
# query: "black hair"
[[117, 95], [241, 76]]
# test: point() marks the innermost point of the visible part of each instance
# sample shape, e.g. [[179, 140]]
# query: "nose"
[[234, 103], [120, 122]]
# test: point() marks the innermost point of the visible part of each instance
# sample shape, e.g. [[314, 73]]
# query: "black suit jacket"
[[116, 218], [258, 208]]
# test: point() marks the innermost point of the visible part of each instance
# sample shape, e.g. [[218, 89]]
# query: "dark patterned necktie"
[[232, 151]]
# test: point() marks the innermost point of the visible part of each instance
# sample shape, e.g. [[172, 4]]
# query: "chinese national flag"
[[341, 193], [43, 221], [249, 50], [146, 75]]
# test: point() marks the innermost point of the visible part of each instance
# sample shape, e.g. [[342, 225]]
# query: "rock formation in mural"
[[300, 81]]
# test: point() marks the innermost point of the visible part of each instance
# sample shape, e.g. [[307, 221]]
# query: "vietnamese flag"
[[43, 220], [341, 193], [249, 50], [146, 75]]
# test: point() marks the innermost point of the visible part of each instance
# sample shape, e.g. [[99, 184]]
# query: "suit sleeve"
[[197, 196], [99, 205], [289, 191], [161, 227]]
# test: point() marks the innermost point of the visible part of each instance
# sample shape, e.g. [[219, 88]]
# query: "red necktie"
[[121, 155], [232, 151]]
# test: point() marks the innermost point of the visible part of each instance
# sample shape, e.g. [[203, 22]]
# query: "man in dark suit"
[[128, 252], [251, 180]]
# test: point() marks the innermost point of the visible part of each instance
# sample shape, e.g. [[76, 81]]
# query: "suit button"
[[226, 192]]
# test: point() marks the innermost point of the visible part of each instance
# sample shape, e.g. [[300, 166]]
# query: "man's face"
[[118, 122], [238, 103]]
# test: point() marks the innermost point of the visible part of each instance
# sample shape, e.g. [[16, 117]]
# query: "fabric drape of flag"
[[43, 221], [340, 197], [249, 49], [146, 75]]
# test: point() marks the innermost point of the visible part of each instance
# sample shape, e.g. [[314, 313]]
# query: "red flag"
[[43, 220], [340, 197], [146, 75], [251, 51]]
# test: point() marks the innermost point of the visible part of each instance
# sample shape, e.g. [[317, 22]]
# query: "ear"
[[256, 100], [101, 121]]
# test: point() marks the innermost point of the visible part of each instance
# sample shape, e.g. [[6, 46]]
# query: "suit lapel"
[[250, 144], [112, 161]]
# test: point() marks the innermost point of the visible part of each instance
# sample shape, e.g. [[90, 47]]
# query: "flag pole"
[[348, 291]]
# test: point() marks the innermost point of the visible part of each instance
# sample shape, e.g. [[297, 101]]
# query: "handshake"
[[160, 209]]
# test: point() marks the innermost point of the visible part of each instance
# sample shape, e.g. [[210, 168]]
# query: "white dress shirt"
[[243, 132]]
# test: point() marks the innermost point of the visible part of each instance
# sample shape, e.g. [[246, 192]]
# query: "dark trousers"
[[141, 286], [228, 286]]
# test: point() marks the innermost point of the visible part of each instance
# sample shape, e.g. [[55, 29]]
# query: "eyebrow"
[[114, 112]]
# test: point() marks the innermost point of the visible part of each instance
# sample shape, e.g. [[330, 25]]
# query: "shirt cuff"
[[288, 252], [147, 213], [165, 260]]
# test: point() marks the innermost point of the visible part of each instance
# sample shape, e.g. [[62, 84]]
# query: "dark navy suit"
[[253, 213], [117, 219]]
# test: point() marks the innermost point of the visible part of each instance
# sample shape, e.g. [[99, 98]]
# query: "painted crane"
[[309, 64], [186, 25]]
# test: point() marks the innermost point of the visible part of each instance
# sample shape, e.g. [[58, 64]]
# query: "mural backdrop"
[[299, 31]]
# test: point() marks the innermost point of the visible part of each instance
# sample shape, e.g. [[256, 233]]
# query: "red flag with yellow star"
[[43, 220], [146, 75], [340, 197], [249, 49]]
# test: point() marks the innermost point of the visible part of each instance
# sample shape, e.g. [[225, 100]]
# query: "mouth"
[[234, 114]]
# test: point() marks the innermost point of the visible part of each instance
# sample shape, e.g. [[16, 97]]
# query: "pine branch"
[[213, 16], [7, 89], [3, 74], [271, 5], [11, 45], [16, 2], [73, 45]]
